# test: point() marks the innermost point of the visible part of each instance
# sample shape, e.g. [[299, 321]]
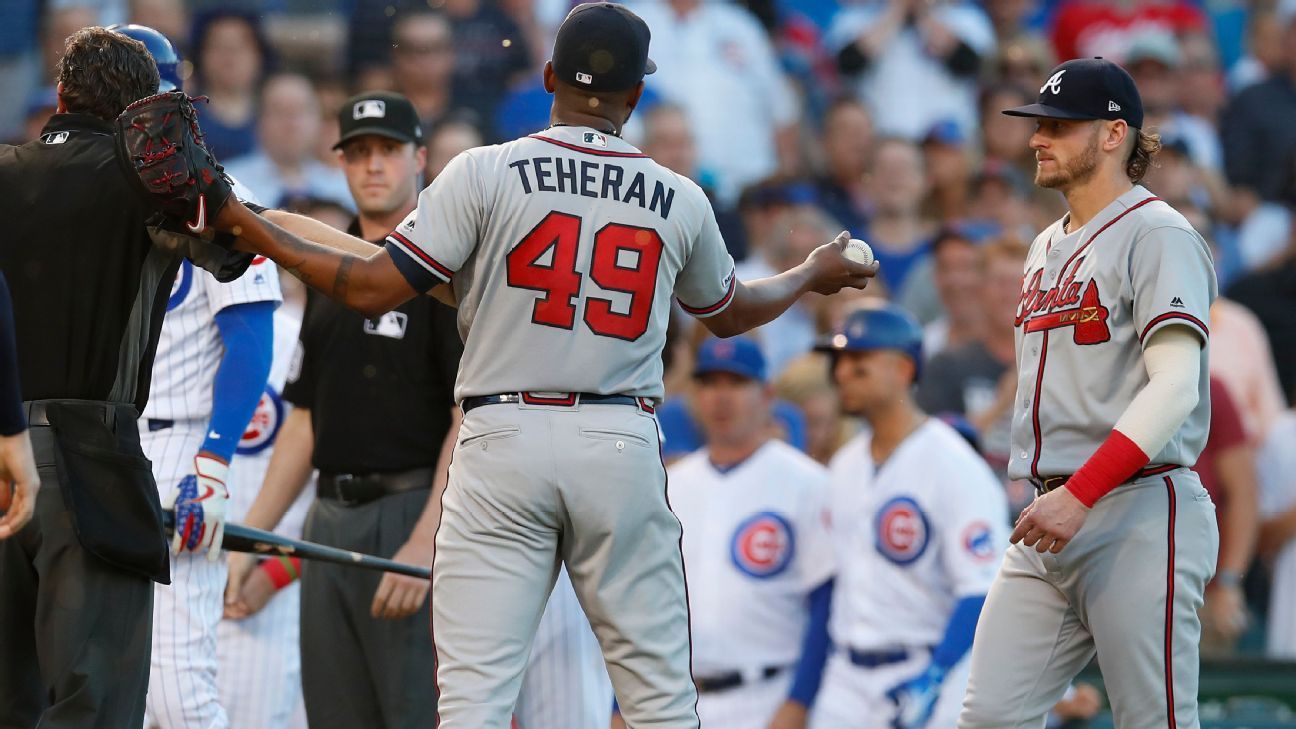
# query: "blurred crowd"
[[801, 118]]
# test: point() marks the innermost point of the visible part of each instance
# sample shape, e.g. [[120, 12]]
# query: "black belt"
[[565, 399], [1051, 483], [38, 415], [873, 659], [731, 680], [355, 489], [156, 424]]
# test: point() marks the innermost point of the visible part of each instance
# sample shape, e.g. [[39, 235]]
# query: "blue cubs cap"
[[1086, 89], [602, 47], [737, 356]]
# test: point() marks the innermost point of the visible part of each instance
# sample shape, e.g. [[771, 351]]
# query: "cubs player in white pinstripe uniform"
[[756, 550], [213, 361], [260, 663]]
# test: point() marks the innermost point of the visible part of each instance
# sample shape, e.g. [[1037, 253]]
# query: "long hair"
[[102, 72], [1146, 146]]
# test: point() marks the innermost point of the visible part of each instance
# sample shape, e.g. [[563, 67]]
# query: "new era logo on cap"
[[370, 109], [1113, 106]]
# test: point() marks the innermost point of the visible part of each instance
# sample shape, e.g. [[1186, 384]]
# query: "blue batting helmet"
[[878, 326], [164, 54]]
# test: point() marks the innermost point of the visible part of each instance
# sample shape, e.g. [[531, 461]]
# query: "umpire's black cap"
[[602, 47], [382, 113], [1087, 88]]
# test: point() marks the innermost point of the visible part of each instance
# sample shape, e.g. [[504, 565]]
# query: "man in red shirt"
[[1085, 28]]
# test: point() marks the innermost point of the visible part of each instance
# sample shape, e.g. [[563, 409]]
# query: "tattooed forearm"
[[343, 278]]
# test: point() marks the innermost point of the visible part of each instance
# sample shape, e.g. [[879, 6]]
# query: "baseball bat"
[[241, 538]]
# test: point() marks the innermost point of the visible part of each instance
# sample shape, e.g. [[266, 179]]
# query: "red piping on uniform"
[[422, 255], [1169, 616], [587, 150], [1035, 402], [1108, 224], [1173, 315], [733, 286]]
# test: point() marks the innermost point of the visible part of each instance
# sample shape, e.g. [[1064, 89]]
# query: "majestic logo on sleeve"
[[1064, 305], [902, 530], [763, 545]]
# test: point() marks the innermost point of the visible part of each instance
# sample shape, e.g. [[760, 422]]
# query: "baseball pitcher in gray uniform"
[[563, 250], [1112, 408]]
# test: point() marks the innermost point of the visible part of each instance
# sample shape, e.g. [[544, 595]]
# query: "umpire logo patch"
[[902, 530], [390, 325], [763, 545], [370, 109]]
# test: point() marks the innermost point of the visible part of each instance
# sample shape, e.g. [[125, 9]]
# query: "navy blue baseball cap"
[[602, 47], [737, 356], [1086, 89]]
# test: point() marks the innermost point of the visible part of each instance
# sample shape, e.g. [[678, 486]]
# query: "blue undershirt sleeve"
[[958, 632], [247, 331], [814, 647]]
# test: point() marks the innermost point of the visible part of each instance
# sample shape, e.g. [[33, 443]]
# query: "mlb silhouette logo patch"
[[390, 325], [595, 139], [264, 426], [902, 530], [55, 138], [370, 109], [763, 545]]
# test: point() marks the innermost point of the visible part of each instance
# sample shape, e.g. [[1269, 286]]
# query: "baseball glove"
[[159, 142]]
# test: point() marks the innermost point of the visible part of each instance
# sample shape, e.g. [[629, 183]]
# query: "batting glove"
[[199, 503], [915, 699]]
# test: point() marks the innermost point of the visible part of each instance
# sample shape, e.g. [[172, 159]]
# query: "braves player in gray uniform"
[[1112, 408], [563, 249]]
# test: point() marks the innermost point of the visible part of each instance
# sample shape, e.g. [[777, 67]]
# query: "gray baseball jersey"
[[581, 235], [1090, 300]]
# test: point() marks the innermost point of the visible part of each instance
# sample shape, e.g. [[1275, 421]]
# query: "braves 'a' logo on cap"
[[763, 545], [978, 541], [264, 426], [1054, 83], [370, 109], [902, 530]]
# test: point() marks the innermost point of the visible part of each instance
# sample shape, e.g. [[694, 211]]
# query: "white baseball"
[[858, 251]]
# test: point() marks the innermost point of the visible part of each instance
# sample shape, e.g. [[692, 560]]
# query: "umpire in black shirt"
[[374, 412], [90, 283]]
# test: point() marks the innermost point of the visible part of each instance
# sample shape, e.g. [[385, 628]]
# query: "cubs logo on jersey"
[[978, 540], [180, 287], [763, 545], [902, 530], [264, 426]]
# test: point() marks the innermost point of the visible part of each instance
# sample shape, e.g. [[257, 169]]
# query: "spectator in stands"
[[1010, 18], [491, 54], [1106, 28], [806, 384], [957, 276], [1000, 203], [168, 17], [1264, 50], [1155, 62], [913, 62], [949, 171], [715, 61], [423, 64], [847, 142], [1243, 362], [1257, 127], [1270, 294], [230, 57], [1006, 139], [1276, 466], [1022, 63], [452, 136], [760, 207], [1227, 468], [59, 23], [284, 163], [669, 140], [899, 234], [979, 379], [1202, 92]]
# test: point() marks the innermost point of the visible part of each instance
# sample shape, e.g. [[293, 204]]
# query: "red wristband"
[[1115, 461], [281, 570]]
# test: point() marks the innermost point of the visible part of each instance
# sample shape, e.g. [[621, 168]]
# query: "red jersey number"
[[624, 259]]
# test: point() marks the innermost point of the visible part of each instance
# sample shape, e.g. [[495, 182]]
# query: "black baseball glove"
[[160, 143]]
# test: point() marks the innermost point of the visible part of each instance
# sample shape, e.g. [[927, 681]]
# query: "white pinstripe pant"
[[182, 682]]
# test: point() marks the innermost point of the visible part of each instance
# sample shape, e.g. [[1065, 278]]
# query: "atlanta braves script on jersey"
[[259, 672], [564, 249], [755, 545], [182, 683], [1129, 584], [912, 536]]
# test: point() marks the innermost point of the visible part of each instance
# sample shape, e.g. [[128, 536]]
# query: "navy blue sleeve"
[[247, 331], [12, 421], [814, 647], [958, 632]]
